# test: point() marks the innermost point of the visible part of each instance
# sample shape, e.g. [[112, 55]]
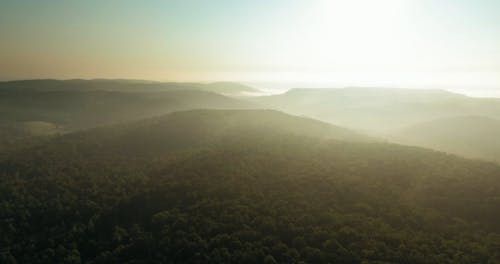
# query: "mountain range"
[[107, 172]]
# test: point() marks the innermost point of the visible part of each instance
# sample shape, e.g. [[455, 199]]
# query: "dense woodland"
[[246, 186], [287, 167]]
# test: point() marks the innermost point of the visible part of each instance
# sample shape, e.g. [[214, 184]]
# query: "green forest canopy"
[[244, 193]]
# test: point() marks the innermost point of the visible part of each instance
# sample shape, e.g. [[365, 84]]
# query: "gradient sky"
[[441, 43]]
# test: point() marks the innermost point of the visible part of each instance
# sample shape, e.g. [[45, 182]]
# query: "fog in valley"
[[282, 131]]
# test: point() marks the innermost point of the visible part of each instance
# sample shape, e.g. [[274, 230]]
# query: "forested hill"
[[195, 128], [243, 187], [84, 107]]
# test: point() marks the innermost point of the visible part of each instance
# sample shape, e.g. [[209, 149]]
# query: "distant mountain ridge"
[[76, 104], [50, 107], [379, 109], [124, 85]]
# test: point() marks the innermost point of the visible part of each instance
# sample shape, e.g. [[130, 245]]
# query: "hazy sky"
[[351, 42]]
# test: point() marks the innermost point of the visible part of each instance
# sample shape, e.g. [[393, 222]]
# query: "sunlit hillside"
[[252, 132]]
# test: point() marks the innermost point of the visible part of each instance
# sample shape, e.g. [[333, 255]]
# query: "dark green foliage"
[[255, 194]]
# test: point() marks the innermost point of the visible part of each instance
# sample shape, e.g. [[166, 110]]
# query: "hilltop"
[[243, 186]]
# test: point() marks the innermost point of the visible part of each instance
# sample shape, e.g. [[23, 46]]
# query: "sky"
[[408, 43]]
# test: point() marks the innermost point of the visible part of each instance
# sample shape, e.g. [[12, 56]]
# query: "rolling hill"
[[32, 110], [44, 85], [469, 136], [81, 104], [195, 128], [379, 110], [243, 186]]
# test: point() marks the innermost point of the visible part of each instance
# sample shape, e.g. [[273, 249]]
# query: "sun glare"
[[359, 34]]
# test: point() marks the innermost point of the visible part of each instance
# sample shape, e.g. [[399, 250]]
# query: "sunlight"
[[357, 34], [268, 131]]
